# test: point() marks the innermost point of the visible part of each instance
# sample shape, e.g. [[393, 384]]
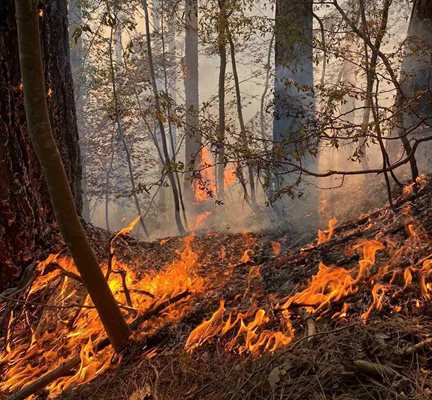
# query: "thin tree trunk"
[[120, 132], [41, 134], [170, 89], [264, 93], [220, 179], [107, 186], [193, 139], [243, 132], [167, 163]]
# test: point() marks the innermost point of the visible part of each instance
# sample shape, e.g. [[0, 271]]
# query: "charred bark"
[[25, 209]]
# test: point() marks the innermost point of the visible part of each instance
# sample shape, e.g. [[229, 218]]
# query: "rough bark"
[[25, 209], [79, 78], [41, 134], [416, 72], [293, 75]]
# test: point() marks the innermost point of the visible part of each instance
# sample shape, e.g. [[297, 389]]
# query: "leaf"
[[274, 377]]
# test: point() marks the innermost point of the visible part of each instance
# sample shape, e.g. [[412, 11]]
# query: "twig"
[[418, 346], [62, 369]]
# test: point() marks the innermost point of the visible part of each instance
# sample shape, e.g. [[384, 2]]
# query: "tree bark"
[[167, 163], [221, 98], [416, 70], [77, 66], [294, 110], [61, 196], [193, 138], [25, 209], [243, 132]]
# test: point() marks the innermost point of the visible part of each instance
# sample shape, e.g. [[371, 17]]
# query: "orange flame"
[[276, 248], [325, 237], [56, 337], [207, 186]]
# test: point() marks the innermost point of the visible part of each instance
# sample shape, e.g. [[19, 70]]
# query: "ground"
[[367, 335]]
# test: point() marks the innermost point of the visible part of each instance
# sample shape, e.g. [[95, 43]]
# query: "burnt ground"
[[388, 356]]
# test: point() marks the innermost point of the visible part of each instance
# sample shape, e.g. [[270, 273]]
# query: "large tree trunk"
[[416, 79], [293, 105], [416, 75], [25, 208]]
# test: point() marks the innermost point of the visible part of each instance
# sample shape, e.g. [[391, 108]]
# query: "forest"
[[216, 199]]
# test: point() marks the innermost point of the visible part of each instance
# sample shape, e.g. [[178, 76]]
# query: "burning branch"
[[65, 367]]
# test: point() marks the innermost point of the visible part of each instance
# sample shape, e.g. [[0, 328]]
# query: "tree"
[[25, 209], [221, 45], [41, 134], [193, 137], [294, 101], [416, 71], [168, 167], [77, 65]]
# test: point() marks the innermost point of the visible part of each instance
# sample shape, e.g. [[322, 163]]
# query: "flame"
[[329, 285], [206, 187], [200, 220], [247, 338], [276, 248], [326, 289], [128, 229], [76, 328], [325, 237]]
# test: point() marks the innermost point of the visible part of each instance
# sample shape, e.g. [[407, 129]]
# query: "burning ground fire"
[[69, 323], [39, 341], [328, 290]]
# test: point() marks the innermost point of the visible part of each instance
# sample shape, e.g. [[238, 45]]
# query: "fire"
[[74, 328], [200, 220], [41, 340], [247, 338], [325, 237], [206, 187], [276, 248], [327, 288]]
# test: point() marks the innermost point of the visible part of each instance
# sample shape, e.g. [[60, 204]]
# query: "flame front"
[[69, 326], [327, 288]]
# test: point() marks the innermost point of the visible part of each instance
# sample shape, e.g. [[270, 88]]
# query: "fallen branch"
[[65, 367]]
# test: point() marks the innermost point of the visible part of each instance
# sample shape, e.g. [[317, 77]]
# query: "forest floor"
[[334, 354], [369, 339]]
